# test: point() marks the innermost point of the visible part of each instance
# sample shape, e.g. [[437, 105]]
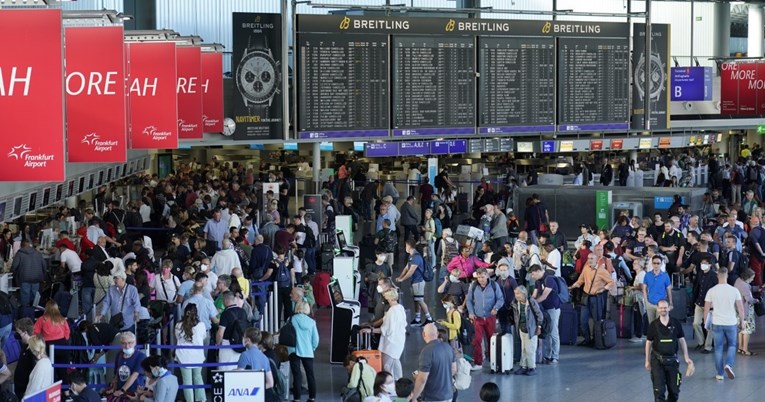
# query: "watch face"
[[656, 76], [258, 77], [229, 126]]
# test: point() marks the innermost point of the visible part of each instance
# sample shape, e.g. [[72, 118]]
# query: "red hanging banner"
[[152, 97], [31, 96], [95, 94], [212, 92], [189, 59]]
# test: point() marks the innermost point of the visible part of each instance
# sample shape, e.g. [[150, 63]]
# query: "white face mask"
[[128, 351], [503, 274], [454, 279], [204, 267], [705, 267], [390, 389], [381, 259], [379, 289]]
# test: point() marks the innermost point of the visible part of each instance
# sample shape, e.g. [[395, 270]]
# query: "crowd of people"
[[179, 267]]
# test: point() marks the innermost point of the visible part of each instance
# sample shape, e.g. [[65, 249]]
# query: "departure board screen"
[[343, 85], [433, 85], [593, 84], [516, 85]]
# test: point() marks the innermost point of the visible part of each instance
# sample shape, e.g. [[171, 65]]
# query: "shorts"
[[418, 291]]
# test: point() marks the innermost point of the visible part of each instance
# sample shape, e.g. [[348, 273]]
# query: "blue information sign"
[[457, 146], [691, 84], [408, 148], [380, 149], [548, 146], [439, 147]]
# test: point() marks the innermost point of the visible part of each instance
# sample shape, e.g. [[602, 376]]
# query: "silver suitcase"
[[501, 353]]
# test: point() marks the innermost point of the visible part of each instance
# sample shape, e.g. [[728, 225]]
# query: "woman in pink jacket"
[[466, 263]]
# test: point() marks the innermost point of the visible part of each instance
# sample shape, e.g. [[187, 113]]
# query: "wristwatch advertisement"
[[655, 89], [257, 73]]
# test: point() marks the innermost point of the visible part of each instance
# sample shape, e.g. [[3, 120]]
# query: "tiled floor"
[[583, 374]]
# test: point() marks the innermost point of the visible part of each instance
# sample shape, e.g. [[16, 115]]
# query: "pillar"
[[721, 36], [754, 38], [316, 166], [144, 14]]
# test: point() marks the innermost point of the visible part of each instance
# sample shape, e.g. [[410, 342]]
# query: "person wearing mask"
[[42, 374], [704, 281], [29, 270], [595, 284], [508, 284], [665, 336], [303, 352], [127, 368], [190, 331], [546, 294], [53, 328], [414, 269], [254, 359], [436, 368], [386, 239], [384, 388], [393, 334], [374, 271], [78, 385], [484, 299], [453, 321], [657, 287], [165, 384], [453, 286], [121, 298], [724, 301], [231, 314], [528, 318]]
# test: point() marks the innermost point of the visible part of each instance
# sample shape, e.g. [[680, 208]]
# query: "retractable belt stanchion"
[[273, 310]]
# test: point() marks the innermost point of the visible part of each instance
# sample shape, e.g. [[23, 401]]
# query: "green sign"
[[602, 209], [760, 129], [698, 18]]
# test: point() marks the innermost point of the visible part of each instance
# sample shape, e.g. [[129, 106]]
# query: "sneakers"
[[705, 351], [426, 322], [530, 372], [520, 371], [549, 361], [553, 361], [729, 372], [415, 322], [718, 377], [476, 367], [635, 339]]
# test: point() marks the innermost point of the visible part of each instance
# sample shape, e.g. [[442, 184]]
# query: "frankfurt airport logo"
[[94, 140], [546, 27], [207, 121], [450, 26], [345, 23], [23, 152], [155, 134]]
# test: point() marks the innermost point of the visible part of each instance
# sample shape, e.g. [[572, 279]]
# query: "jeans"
[[498, 243], [484, 329], [432, 248], [28, 292], [297, 376], [87, 300], [528, 350], [698, 328], [193, 376], [310, 259], [594, 309], [552, 342], [725, 335]]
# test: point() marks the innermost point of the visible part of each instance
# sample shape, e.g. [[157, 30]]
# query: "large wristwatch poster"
[[656, 88], [256, 68]]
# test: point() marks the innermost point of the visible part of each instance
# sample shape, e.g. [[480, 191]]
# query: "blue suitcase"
[[568, 328]]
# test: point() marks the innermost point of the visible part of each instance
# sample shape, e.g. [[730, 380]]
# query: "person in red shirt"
[[54, 330], [581, 256]]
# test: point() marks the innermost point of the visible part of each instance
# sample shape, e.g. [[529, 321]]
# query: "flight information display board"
[[516, 88], [593, 84], [433, 85], [342, 79]]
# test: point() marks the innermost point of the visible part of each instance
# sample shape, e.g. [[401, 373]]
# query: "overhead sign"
[[212, 92], [152, 95], [617, 144], [95, 94], [31, 95], [548, 146], [665, 142], [596, 145], [691, 84], [189, 65], [742, 88], [566, 146], [645, 143], [760, 129]]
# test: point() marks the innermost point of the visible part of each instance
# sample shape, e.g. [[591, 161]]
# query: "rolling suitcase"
[[501, 353], [605, 334], [624, 322], [373, 357], [320, 291], [569, 324], [679, 304]]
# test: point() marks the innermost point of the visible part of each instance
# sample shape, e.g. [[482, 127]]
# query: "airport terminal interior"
[[380, 201]]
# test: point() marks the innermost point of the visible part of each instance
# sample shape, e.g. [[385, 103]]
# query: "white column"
[[721, 36], [316, 166], [754, 39]]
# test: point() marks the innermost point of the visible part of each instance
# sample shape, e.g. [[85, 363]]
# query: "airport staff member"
[[664, 335]]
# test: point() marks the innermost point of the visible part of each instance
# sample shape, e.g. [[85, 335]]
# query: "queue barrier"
[[148, 348]]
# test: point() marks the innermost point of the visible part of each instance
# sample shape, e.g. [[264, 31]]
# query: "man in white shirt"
[[724, 301], [553, 260], [70, 259], [225, 260]]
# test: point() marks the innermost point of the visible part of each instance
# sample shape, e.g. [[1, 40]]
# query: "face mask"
[[381, 258], [204, 267], [379, 289], [128, 351], [503, 274], [454, 278], [155, 372], [705, 267], [447, 306], [390, 389]]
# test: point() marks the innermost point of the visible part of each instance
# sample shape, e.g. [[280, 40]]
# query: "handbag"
[[287, 334], [118, 321], [542, 225], [759, 308]]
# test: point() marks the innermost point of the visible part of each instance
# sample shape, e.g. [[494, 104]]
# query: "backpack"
[[283, 278], [439, 227], [563, 293], [281, 385], [427, 273], [310, 237], [389, 242], [236, 335], [467, 330], [440, 182], [7, 304], [450, 250], [462, 377], [751, 174], [287, 334]]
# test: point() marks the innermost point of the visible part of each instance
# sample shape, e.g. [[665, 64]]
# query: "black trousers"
[[411, 231], [297, 376], [666, 379]]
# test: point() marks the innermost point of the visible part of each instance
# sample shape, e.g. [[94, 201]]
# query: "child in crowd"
[[298, 263], [308, 290], [489, 392], [404, 389]]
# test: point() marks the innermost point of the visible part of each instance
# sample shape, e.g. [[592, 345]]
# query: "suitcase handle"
[[364, 338]]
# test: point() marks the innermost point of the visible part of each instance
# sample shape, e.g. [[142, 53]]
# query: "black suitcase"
[[569, 324], [679, 304], [605, 334], [624, 322]]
